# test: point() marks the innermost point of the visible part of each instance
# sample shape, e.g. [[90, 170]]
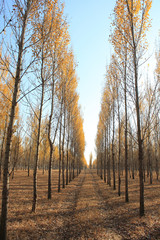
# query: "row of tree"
[[128, 133], [41, 124]]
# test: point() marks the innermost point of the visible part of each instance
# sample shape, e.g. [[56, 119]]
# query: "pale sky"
[[89, 29]]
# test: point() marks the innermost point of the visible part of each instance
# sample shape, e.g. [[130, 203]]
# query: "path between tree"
[[84, 212], [86, 209]]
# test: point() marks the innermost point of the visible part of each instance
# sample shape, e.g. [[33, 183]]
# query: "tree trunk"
[[109, 158], [156, 149], [113, 154], [119, 149], [60, 158], [44, 158], [50, 141], [63, 154], [149, 159], [38, 135], [105, 156], [77, 166], [97, 165], [50, 173], [101, 156], [2, 146], [70, 170], [73, 164], [60, 151], [140, 141], [67, 165], [16, 157], [37, 151], [157, 168], [29, 159], [132, 160], [140, 148], [126, 129]]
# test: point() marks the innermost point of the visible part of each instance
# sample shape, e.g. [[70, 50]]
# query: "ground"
[[86, 209]]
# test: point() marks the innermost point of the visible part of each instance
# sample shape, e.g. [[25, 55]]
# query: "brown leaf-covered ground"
[[86, 209]]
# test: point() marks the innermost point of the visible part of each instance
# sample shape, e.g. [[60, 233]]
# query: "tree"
[[22, 12], [90, 161], [44, 28], [132, 28], [60, 40]]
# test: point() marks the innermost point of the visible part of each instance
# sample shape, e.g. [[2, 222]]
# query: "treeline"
[[128, 133], [41, 124]]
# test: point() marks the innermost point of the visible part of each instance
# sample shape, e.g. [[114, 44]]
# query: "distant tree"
[[90, 161]]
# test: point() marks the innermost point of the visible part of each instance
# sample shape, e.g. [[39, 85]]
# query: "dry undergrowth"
[[86, 209]]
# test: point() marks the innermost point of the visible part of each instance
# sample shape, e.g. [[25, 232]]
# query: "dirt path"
[[84, 218], [87, 209]]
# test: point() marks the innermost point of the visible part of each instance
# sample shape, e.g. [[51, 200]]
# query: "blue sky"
[[89, 29]]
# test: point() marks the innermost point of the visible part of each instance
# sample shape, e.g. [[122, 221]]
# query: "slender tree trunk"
[[5, 187], [73, 164], [67, 165], [101, 166], [147, 167], [157, 168], [37, 150], [119, 149], [50, 141], [44, 157], [77, 162], [50, 173], [132, 160], [63, 153], [60, 158], [109, 158], [80, 167], [105, 156], [101, 174], [113, 153], [97, 165], [140, 141], [60, 153], [144, 174], [29, 159], [1, 157], [16, 157], [70, 170], [38, 135], [2, 146], [149, 159], [156, 149], [126, 130]]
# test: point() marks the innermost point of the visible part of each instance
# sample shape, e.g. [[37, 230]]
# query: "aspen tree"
[[111, 82], [43, 24], [59, 42], [78, 140], [22, 13], [60, 146], [70, 98], [117, 86], [102, 140], [120, 46], [132, 29]]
